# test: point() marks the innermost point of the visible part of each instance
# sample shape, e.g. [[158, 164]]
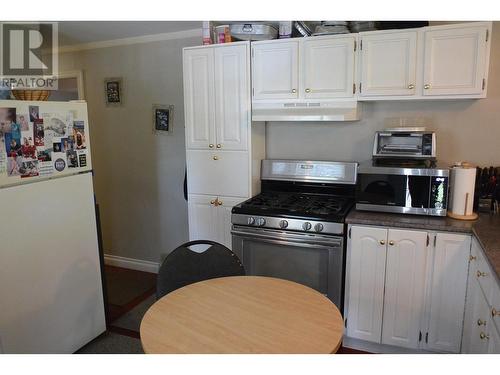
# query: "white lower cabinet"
[[210, 218], [406, 288]]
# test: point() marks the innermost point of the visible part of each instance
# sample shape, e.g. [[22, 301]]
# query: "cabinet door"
[[478, 323], [224, 219], [327, 67], [404, 287], [450, 263], [388, 63], [365, 290], [199, 94], [232, 97], [275, 70], [218, 173], [202, 218], [454, 62]]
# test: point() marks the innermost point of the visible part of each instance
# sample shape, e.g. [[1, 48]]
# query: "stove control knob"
[[251, 221], [283, 224], [261, 221], [306, 226], [318, 227]]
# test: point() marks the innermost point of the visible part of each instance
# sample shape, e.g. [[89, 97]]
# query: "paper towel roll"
[[463, 181]]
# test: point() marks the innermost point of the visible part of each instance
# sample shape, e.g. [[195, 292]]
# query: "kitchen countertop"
[[486, 228]]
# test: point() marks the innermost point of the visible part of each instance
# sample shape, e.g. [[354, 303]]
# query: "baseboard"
[[131, 263]]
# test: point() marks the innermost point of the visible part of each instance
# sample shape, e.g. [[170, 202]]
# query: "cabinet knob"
[[472, 257], [411, 86], [382, 242], [391, 243], [484, 336], [212, 201], [219, 203], [479, 274], [495, 312], [216, 157], [294, 91], [427, 86], [211, 145], [219, 145], [481, 322], [308, 90]]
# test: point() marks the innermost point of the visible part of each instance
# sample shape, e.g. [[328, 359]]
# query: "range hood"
[[306, 110]]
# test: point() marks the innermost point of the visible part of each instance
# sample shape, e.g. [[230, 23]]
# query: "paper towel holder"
[[465, 216]]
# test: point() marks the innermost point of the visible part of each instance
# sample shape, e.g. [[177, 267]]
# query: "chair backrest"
[[184, 266]]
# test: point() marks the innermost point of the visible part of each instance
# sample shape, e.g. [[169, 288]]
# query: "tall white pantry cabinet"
[[223, 147]]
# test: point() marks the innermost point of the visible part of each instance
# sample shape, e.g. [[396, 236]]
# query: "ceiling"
[[78, 32]]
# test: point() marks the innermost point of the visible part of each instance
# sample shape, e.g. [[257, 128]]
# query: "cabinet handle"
[[219, 145], [411, 86], [216, 157], [219, 202], [308, 90], [479, 274], [427, 86], [472, 257], [481, 322], [495, 312], [382, 242], [391, 243], [211, 145], [483, 336], [294, 91], [212, 201]]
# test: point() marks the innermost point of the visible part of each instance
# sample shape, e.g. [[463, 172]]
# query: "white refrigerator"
[[51, 293]]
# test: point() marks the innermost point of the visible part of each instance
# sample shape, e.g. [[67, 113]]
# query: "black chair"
[[184, 266]]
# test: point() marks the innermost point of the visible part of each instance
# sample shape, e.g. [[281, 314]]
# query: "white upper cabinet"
[[404, 287], [388, 63], [450, 264], [365, 274], [275, 70], [327, 67], [199, 91], [455, 60], [232, 97], [217, 97]]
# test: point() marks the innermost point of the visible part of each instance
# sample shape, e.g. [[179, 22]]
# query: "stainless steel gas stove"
[[294, 229]]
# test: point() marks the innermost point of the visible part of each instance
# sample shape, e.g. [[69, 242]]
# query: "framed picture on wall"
[[113, 92], [163, 118]]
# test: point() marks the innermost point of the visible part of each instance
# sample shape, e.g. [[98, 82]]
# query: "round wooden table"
[[242, 314]]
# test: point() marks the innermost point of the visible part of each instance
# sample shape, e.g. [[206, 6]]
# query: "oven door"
[[308, 259]]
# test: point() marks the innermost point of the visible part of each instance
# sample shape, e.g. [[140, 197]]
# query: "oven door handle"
[[285, 239]]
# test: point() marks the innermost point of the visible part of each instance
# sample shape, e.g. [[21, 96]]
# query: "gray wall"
[[466, 129], [138, 175]]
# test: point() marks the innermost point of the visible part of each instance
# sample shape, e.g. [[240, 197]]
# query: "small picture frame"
[[163, 118], [113, 92]]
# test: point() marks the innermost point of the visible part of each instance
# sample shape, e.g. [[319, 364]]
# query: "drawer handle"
[[294, 91], [479, 274], [308, 90], [382, 242], [216, 157], [481, 322], [219, 145], [211, 145], [472, 257], [495, 312], [427, 86], [484, 336], [391, 243], [212, 201], [411, 86]]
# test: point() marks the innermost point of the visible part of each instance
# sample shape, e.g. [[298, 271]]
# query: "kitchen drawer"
[[495, 305], [218, 173], [482, 272]]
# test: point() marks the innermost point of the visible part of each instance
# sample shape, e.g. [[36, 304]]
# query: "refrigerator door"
[[50, 280], [40, 140]]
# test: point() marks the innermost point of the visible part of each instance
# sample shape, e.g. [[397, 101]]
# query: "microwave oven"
[[401, 189]]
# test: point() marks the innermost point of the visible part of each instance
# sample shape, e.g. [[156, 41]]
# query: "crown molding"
[[193, 33]]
